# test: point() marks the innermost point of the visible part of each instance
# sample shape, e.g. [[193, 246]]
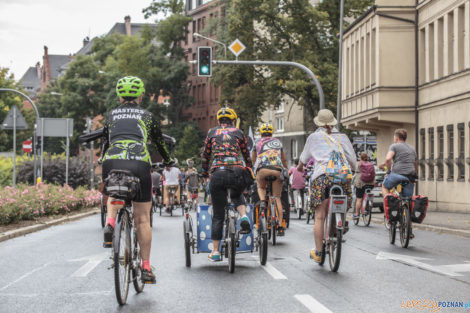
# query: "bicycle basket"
[[122, 185]]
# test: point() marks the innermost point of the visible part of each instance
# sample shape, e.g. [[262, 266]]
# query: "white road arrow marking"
[[93, 261], [449, 270]]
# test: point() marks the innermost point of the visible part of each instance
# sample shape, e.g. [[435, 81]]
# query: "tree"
[[7, 100], [189, 143], [291, 30]]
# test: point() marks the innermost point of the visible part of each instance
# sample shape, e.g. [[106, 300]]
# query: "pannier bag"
[[367, 172], [391, 203], [419, 207], [122, 185]]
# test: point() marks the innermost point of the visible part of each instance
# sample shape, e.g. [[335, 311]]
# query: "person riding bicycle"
[[127, 130], [156, 182], [364, 179], [405, 166], [171, 179], [297, 186], [227, 146], [269, 158], [192, 180], [320, 145]]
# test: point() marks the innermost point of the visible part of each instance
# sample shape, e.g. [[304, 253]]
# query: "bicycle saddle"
[[270, 178]]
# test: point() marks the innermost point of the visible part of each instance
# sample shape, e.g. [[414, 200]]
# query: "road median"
[[22, 231]]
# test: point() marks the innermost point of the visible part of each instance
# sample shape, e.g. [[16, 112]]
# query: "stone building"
[[407, 65]]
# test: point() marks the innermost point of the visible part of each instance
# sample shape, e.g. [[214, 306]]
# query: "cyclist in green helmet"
[[127, 130]]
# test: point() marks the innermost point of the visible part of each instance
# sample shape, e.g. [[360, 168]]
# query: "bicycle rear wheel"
[[335, 250], [405, 227], [263, 241], [273, 230], [187, 245], [308, 216], [103, 212], [232, 247], [392, 232], [122, 257], [323, 256], [151, 216], [137, 268], [367, 215]]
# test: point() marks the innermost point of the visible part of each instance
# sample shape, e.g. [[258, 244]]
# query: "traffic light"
[[204, 61]]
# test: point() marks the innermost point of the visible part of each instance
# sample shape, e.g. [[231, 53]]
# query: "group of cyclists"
[[227, 163]]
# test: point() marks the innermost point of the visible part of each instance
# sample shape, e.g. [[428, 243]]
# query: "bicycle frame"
[[368, 197]]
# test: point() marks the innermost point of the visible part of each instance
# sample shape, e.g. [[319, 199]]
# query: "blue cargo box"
[[204, 227]]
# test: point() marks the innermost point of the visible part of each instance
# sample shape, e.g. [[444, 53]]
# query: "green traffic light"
[[204, 69]]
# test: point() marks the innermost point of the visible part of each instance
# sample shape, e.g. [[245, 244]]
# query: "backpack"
[[338, 169], [367, 172]]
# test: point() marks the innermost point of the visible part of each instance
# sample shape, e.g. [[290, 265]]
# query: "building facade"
[[290, 126], [204, 108], [407, 65]]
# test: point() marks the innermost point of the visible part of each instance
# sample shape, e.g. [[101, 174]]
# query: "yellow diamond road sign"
[[237, 47]]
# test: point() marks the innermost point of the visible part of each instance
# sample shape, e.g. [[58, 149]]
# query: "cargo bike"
[[198, 240]]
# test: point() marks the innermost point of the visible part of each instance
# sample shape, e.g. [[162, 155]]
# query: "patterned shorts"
[[320, 190]]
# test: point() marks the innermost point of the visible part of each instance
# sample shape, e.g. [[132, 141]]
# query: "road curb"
[[34, 228], [434, 228]]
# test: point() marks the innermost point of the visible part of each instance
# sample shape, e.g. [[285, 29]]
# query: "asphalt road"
[[65, 269]]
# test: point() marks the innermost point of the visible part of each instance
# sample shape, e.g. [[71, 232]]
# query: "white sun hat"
[[325, 117]]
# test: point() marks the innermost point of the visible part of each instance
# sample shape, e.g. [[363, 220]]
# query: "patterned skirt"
[[320, 190]]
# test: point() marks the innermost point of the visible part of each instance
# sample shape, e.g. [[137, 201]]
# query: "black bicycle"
[[126, 250], [104, 211], [400, 217]]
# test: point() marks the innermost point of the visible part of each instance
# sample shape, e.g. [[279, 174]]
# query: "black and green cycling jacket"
[[127, 131]]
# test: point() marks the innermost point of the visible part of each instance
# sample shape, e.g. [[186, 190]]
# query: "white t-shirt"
[[171, 176]]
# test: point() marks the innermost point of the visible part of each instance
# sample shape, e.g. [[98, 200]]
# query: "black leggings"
[[221, 180]]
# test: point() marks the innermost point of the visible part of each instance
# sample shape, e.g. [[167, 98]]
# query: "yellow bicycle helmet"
[[266, 128], [226, 112]]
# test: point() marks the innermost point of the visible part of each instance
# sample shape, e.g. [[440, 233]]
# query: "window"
[[280, 124], [450, 152], [440, 48], [450, 42], [422, 152], [280, 109], [430, 161], [440, 148], [194, 30], [461, 37], [294, 149], [461, 159], [431, 52], [193, 66]]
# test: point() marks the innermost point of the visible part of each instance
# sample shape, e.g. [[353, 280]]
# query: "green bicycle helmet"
[[130, 86]]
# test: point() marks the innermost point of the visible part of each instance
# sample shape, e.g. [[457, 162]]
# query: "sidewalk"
[[442, 222]]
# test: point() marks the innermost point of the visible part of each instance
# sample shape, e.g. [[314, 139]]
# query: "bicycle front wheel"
[[187, 244], [232, 247], [137, 266], [367, 215], [122, 257], [335, 250], [405, 227]]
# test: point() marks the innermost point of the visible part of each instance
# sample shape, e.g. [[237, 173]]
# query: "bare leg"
[[385, 191], [241, 210], [279, 211], [142, 224], [216, 244], [112, 209], [320, 215], [358, 205]]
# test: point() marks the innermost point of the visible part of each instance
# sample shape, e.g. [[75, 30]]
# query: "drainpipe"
[[417, 87]]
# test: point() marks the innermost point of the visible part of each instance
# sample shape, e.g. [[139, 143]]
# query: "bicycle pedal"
[[107, 244], [111, 267]]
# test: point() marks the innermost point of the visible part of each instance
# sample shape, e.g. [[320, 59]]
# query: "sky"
[[26, 26]]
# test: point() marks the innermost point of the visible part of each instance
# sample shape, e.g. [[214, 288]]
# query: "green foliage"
[[54, 171], [291, 30], [32, 202], [190, 139]]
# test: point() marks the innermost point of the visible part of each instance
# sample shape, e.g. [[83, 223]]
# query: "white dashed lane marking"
[[312, 304]]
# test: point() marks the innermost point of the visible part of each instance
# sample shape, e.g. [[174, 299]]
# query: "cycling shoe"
[[148, 277], [245, 227], [108, 236]]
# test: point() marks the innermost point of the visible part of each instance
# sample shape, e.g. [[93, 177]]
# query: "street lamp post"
[[35, 127], [340, 64], [213, 40]]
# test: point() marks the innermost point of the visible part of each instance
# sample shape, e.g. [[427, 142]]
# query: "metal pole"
[[35, 125], [42, 146], [282, 63], [67, 155], [213, 40], [14, 146], [340, 65]]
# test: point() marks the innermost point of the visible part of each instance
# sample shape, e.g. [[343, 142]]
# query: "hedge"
[[31, 202]]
